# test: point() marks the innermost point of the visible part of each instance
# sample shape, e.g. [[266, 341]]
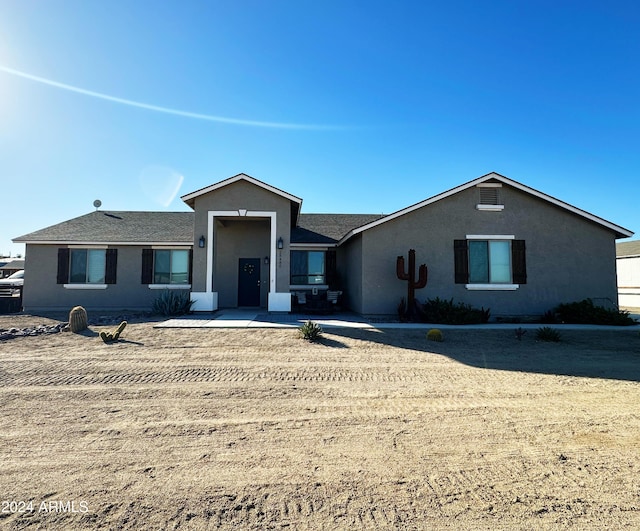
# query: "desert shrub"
[[435, 335], [585, 312], [442, 311], [310, 331], [547, 333], [172, 302], [549, 317]]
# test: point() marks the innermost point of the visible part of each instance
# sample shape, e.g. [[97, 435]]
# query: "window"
[[166, 266], [171, 267], [87, 266], [486, 263], [83, 267], [489, 262], [308, 267]]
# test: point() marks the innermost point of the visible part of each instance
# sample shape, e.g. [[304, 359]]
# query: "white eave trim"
[[620, 231]]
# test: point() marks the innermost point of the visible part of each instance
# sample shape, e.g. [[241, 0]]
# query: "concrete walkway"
[[234, 318]]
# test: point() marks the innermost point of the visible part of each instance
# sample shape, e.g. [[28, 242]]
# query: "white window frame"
[[153, 270], [86, 285], [506, 286]]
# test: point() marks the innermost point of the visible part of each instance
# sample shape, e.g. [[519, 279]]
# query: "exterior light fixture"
[[201, 242], [280, 243], [266, 260]]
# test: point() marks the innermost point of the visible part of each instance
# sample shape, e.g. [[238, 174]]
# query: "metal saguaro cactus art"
[[410, 277]]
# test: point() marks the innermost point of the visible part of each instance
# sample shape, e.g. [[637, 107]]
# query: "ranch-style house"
[[490, 242]]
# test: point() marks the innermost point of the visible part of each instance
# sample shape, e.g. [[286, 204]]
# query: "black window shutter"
[[147, 266], [111, 266], [330, 268], [518, 262], [63, 265], [190, 266], [461, 260]]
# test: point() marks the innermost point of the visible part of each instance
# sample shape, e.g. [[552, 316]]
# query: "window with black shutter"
[[490, 262]]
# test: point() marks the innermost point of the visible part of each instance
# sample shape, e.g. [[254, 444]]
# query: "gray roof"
[[328, 228], [13, 264], [628, 249], [177, 227], [118, 227]]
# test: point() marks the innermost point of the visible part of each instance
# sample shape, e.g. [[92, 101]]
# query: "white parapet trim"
[[279, 302], [204, 301]]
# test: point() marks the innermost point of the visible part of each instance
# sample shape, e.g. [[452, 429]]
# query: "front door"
[[249, 282]]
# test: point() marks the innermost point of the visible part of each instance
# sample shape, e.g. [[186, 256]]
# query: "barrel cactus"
[[435, 335], [78, 319]]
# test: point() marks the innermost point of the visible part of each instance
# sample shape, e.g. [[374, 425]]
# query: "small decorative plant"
[[310, 331], [547, 333], [172, 302], [435, 335], [519, 333], [78, 319], [109, 337]]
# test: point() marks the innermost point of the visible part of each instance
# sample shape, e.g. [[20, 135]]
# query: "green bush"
[[585, 312], [547, 333], [442, 311], [435, 335], [310, 331], [172, 302]]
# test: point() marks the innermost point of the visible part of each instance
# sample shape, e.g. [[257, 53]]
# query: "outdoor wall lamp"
[[266, 260], [280, 243], [201, 242]]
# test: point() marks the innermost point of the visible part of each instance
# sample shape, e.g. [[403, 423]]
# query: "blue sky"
[[355, 106]]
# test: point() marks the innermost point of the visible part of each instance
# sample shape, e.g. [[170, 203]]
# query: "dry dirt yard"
[[257, 429]]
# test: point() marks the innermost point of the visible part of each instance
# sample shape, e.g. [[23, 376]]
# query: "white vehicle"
[[11, 286]]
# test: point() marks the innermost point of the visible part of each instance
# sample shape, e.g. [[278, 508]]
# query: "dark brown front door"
[[249, 282]]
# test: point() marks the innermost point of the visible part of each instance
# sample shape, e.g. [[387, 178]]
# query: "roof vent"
[[489, 197]]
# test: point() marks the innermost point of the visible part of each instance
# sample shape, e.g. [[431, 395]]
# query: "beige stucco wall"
[[568, 258], [233, 197]]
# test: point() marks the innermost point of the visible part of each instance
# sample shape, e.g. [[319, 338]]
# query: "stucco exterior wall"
[[41, 290], [568, 258], [235, 196], [349, 268], [629, 281]]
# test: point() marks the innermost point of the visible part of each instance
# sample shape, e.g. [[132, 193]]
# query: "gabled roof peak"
[[619, 231], [190, 198]]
